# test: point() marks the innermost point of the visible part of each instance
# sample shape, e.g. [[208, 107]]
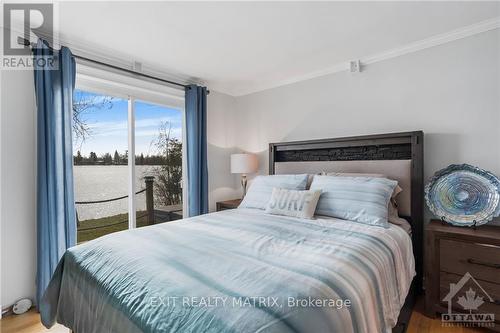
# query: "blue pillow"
[[359, 199], [259, 193]]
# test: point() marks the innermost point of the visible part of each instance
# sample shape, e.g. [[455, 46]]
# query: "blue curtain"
[[196, 149], [56, 218]]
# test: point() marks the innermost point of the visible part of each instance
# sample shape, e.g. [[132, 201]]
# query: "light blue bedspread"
[[234, 271]]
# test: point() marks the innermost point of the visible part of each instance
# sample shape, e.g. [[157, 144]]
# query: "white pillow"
[[260, 190], [293, 202], [358, 199]]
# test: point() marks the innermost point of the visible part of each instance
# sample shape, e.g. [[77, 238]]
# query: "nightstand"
[[468, 258], [228, 204]]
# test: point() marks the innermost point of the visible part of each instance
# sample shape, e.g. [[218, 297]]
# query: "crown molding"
[[436, 40], [420, 45]]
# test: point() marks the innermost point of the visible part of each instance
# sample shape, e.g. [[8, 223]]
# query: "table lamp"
[[244, 164]]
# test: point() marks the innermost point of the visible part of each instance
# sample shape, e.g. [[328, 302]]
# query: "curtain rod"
[[26, 42]]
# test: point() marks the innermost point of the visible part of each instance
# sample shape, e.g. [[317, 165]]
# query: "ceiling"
[[242, 47]]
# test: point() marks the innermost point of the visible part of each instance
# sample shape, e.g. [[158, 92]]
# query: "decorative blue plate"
[[464, 195]]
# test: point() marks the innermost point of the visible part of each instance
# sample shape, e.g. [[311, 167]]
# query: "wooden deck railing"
[[165, 211]]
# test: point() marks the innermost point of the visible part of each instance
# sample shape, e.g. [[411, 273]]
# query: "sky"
[[108, 126]]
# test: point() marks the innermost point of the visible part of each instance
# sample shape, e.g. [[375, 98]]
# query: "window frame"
[[111, 82]]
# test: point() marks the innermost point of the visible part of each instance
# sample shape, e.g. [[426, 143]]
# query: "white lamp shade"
[[244, 163]]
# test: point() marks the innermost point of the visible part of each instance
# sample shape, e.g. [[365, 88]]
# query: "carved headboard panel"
[[397, 155]]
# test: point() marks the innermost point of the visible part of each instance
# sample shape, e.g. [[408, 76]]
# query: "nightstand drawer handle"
[[482, 263]]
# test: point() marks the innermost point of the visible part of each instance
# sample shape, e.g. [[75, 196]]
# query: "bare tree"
[[83, 103], [168, 189]]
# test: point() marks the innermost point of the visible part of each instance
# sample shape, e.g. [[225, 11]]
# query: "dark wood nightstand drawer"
[[482, 261], [228, 204], [451, 253], [492, 289], [220, 208]]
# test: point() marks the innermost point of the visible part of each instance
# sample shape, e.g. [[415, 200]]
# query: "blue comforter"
[[234, 271]]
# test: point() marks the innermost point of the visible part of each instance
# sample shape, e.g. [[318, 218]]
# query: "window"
[[114, 120], [158, 163]]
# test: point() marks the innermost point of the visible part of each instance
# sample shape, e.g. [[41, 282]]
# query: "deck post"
[[150, 199]]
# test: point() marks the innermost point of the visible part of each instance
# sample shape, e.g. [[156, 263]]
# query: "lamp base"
[[244, 185]]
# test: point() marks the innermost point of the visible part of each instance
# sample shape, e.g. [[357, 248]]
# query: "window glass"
[[100, 155], [158, 159]]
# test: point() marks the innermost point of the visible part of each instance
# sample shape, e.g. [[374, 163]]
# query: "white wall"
[[18, 238], [451, 92], [221, 143]]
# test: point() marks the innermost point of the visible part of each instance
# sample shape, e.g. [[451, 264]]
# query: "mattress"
[[234, 271]]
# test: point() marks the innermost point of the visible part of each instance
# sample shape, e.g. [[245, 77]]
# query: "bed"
[[246, 271]]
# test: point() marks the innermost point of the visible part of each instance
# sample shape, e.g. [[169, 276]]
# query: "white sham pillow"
[[359, 199], [293, 203], [260, 190]]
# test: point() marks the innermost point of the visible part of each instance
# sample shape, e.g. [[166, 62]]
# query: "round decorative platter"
[[464, 195]]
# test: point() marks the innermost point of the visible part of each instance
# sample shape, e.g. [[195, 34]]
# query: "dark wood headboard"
[[392, 146]]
